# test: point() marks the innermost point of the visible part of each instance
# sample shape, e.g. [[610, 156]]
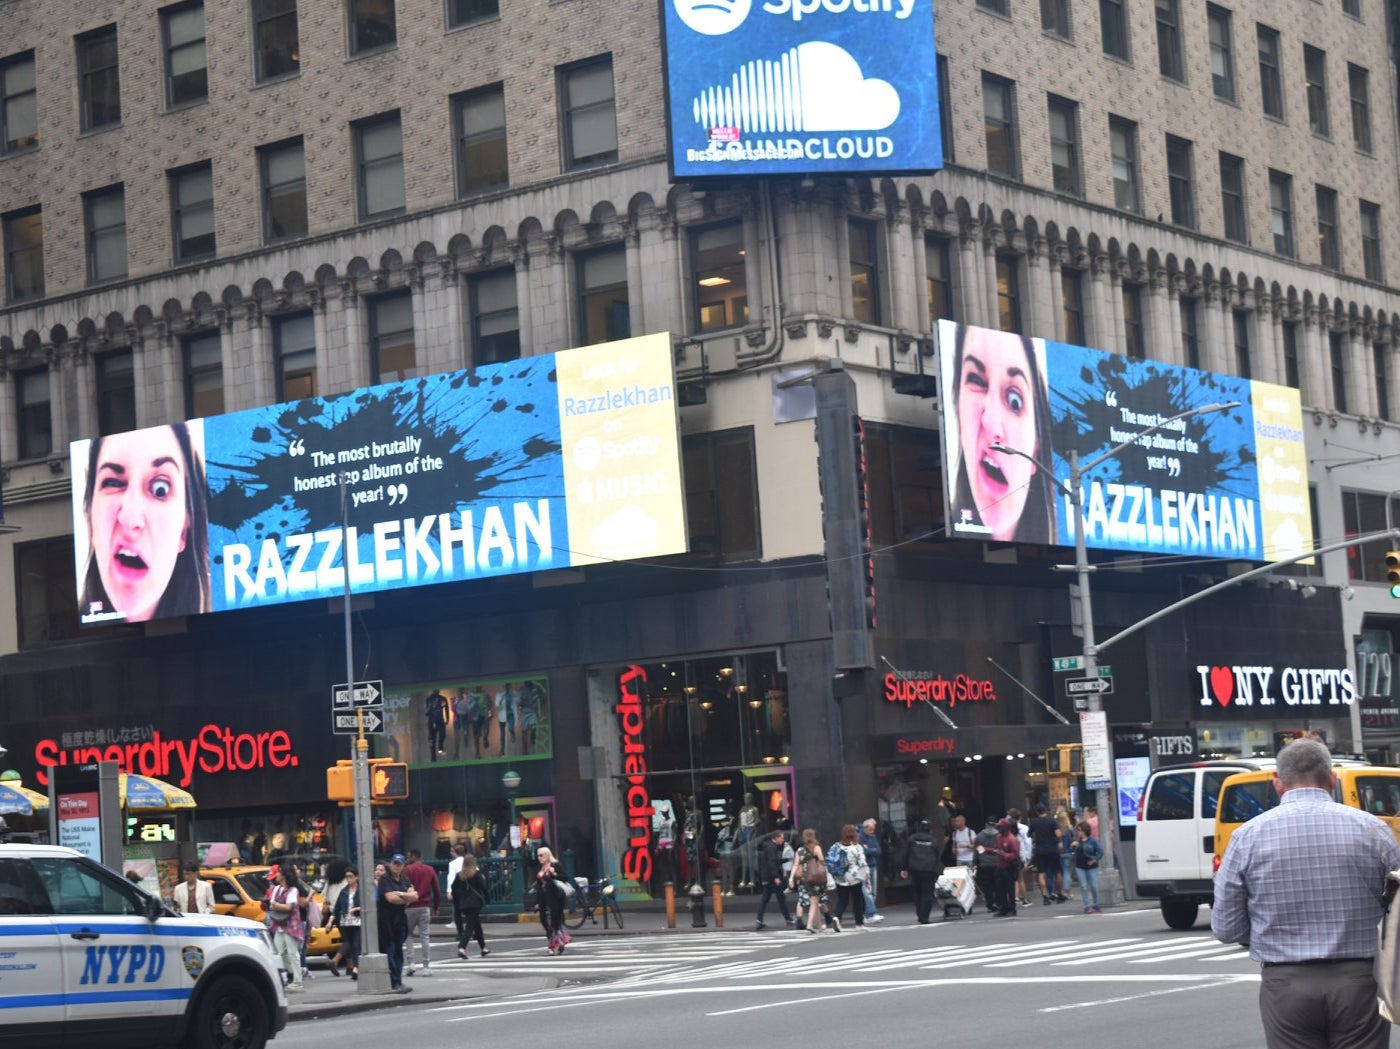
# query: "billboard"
[[1231, 484], [800, 87], [553, 461]]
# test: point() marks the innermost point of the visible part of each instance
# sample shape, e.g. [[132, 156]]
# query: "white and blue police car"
[[87, 958]]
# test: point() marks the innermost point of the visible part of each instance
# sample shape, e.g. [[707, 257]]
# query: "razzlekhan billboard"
[[766, 87], [1231, 484], [552, 461]]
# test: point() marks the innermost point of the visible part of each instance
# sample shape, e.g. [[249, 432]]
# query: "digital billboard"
[[553, 461], [1230, 483], [800, 87]]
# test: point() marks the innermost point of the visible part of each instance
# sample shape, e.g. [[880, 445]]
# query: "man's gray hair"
[[1304, 762]]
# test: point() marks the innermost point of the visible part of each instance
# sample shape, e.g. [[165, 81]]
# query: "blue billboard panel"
[[800, 87], [552, 461], [1231, 483]]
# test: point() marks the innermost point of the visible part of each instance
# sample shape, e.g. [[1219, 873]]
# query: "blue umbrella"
[[20, 801]]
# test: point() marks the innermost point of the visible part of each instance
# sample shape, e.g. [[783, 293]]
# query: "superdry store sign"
[[213, 750], [631, 720], [1265, 690], [916, 686]]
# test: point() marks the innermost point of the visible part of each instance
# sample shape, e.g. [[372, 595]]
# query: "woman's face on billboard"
[[996, 405], [138, 521]]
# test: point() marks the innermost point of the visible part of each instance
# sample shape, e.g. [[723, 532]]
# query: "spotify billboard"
[[769, 87]]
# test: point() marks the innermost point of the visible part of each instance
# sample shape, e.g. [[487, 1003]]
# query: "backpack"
[[921, 855], [836, 860], [814, 871]]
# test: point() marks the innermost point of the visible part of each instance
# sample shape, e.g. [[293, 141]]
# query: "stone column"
[[1361, 388], [991, 307], [904, 313], [1099, 322], [1041, 319], [1267, 349], [59, 399], [971, 278], [1215, 332], [316, 299], [254, 381], [1175, 296], [1277, 309], [1314, 368], [9, 425], [352, 353], [520, 260], [84, 390], [1054, 265], [923, 321], [171, 370], [143, 375], [1386, 338], [1119, 338]]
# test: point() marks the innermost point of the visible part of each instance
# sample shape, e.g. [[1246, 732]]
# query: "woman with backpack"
[[284, 919], [469, 893], [809, 877], [847, 863]]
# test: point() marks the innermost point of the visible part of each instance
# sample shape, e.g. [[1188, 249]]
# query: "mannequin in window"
[[694, 845], [663, 832], [727, 850], [747, 841]]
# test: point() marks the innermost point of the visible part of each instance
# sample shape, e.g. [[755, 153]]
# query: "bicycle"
[[591, 899]]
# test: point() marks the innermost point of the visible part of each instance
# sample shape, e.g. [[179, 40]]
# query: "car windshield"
[[254, 883]]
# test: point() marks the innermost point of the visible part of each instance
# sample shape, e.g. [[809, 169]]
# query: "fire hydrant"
[[697, 906]]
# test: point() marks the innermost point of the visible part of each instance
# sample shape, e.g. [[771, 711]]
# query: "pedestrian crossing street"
[[730, 955]]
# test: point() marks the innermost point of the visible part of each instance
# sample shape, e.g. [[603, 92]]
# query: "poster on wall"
[[1131, 776], [469, 722], [1231, 483], [552, 461], [767, 87]]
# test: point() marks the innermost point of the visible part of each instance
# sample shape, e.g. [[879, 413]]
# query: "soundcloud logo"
[[713, 17]]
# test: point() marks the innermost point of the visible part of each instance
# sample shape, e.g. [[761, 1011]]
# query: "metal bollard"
[[670, 905], [697, 906], [717, 891]]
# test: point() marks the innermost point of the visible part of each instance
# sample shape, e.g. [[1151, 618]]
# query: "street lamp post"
[[1104, 797], [510, 779]]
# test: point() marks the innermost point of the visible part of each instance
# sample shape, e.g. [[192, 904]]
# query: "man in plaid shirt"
[[1301, 886]]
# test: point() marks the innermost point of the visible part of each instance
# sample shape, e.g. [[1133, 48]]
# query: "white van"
[[91, 959]]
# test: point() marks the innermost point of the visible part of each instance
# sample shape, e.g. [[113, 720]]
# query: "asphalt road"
[[971, 982]]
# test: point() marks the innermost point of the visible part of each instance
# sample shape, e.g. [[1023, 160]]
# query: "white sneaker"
[[425, 971], [409, 970], [835, 923], [874, 919]]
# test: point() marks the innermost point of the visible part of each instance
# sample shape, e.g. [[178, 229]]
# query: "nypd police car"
[[88, 958]]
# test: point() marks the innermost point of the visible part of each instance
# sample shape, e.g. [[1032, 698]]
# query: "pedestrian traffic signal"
[[1392, 571], [1065, 759], [388, 781]]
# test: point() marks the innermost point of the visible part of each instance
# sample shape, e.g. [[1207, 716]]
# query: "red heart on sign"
[[1222, 684]]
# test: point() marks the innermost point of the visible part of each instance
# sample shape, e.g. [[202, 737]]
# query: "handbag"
[[1387, 963], [564, 888]]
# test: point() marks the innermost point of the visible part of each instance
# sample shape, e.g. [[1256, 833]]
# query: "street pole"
[[373, 966]]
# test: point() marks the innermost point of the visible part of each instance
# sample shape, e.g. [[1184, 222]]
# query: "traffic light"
[[388, 781], [1065, 759], [1392, 571]]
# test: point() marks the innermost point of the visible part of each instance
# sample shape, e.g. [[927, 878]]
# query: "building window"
[[393, 356], [19, 104], [24, 255], [276, 44], [32, 418], [1290, 353], [495, 318], [1134, 345], [465, 12], [863, 244], [115, 377], [46, 591], [192, 211], [717, 266], [1337, 358], [1232, 198], [1281, 212], [104, 215], [1122, 136], [186, 72], [997, 7], [1169, 39], [1270, 72], [204, 375], [589, 117], [1064, 145], [905, 485], [372, 25], [604, 313], [1009, 293], [1315, 75], [1359, 86], [1243, 362], [480, 117], [1222, 60], [1351, 7], [283, 169], [998, 110], [1190, 331], [1364, 512], [294, 346], [1113, 19], [1380, 356], [99, 83], [379, 151], [938, 285], [1371, 241], [1054, 18], [1179, 182], [721, 495], [1072, 298], [1329, 238], [945, 108]]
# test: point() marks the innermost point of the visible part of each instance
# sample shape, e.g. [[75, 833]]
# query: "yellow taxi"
[[1371, 788], [240, 890]]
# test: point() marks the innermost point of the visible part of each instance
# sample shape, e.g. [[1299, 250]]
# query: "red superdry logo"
[[213, 749]]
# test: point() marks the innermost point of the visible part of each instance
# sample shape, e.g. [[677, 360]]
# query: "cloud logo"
[[713, 17], [815, 86]]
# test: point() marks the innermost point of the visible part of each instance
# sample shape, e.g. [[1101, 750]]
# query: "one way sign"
[[366, 694], [347, 725], [1076, 686]]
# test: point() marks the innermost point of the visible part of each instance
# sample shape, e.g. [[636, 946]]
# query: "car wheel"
[[229, 1015], [1179, 914]]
